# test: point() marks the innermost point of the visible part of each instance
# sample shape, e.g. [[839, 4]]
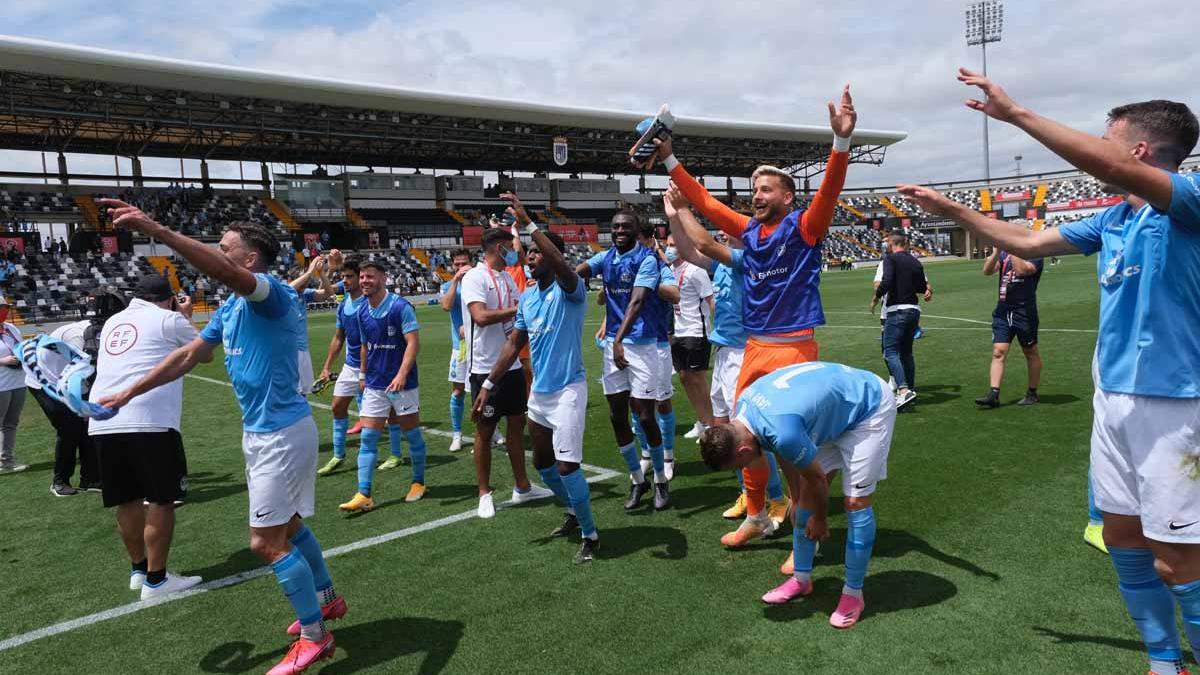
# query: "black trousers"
[[72, 440]]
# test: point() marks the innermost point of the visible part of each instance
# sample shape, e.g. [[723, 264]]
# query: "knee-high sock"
[[580, 495], [306, 543], [860, 539], [1094, 515], [630, 454], [1148, 601], [395, 440], [339, 436], [666, 426], [1188, 597], [295, 577], [755, 479], [659, 461], [803, 548], [774, 484], [367, 449], [639, 433], [416, 450], [555, 482], [456, 412]]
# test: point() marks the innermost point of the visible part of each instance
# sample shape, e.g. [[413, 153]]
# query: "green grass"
[[979, 564]]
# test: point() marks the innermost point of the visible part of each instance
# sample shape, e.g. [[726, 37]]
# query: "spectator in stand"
[[12, 255], [7, 270], [12, 392]]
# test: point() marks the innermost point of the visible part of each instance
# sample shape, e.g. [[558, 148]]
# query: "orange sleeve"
[[814, 224], [731, 222]]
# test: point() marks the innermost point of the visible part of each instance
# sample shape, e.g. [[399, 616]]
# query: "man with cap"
[[140, 450]]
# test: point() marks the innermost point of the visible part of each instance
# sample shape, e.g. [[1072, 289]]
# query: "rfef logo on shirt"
[[122, 338]]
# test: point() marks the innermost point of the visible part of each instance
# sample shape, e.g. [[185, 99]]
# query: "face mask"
[[671, 253], [510, 258]]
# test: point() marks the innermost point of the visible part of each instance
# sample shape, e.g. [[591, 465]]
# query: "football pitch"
[[979, 563]]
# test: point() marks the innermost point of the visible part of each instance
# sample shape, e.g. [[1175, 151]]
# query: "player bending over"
[[815, 417]]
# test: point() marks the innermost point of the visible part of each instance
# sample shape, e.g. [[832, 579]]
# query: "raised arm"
[[327, 289], [993, 261], [692, 236], [1021, 266], [451, 295], [730, 221], [209, 261], [1107, 161], [673, 203], [566, 277], [814, 224], [1008, 236]]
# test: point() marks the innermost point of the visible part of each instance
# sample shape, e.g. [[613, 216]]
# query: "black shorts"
[[508, 397], [690, 353], [147, 466], [1019, 322]]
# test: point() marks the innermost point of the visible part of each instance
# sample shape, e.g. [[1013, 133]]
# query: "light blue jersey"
[[347, 320], [553, 319], [1149, 269], [456, 317], [303, 300], [795, 410], [727, 329], [260, 341]]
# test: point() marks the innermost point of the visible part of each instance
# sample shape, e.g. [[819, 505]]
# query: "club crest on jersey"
[[626, 277], [391, 331]]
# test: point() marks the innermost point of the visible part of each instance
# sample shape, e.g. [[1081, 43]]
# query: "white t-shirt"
[[72, 334], [692, 311], [496, 290], [879, 279], [10, 378], [132, 343]]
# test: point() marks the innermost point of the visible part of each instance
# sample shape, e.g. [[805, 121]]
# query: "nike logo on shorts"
[[863, 487], [260, 514], [1174, 526]]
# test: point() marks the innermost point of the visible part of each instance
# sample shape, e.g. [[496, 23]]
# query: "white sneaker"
[[13, 468], [669, 469], [486, 508], [535, 491], [498, 439], [892, 383], [695, 431], [172, 584], [905, 398], [136, 579], [456, 443]]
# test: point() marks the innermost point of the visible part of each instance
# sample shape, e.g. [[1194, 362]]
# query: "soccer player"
[[550, 319], [690, 348], [815, 417], [390, 342], [632, 362], [260, 333], [140, 450], [1147, 360], [345, 389], [728, 334], [489, 298], [782, 259], [451, 301], [1016, 316], [305, 296], [903, 281]]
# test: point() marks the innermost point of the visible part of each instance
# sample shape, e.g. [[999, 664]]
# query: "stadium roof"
[[73, 99]]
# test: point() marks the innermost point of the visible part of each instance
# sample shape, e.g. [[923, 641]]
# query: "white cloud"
[[762, 61]]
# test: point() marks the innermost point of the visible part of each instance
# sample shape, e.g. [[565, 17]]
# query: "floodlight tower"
[[985, 19]]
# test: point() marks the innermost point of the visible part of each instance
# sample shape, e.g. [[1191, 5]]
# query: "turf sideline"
[[599, 474]]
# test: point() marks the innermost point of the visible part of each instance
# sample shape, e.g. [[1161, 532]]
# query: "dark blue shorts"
[[1019, 322]]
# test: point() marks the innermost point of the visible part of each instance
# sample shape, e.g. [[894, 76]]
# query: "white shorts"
[[563, 412], [347, 382], [281, 472], [724, 379], [666, 386], [861, 452], [1146, 462], [377, 403], [306, 372], [642, 379], [458, 367]]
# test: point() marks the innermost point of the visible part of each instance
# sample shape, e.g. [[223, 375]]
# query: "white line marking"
[[601, 474], [938, 329]]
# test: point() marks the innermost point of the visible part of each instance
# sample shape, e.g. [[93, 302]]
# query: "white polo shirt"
[[132, 343], [496, 290], [692, 311]]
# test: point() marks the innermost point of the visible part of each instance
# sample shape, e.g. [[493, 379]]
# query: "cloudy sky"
[[748, 60]]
